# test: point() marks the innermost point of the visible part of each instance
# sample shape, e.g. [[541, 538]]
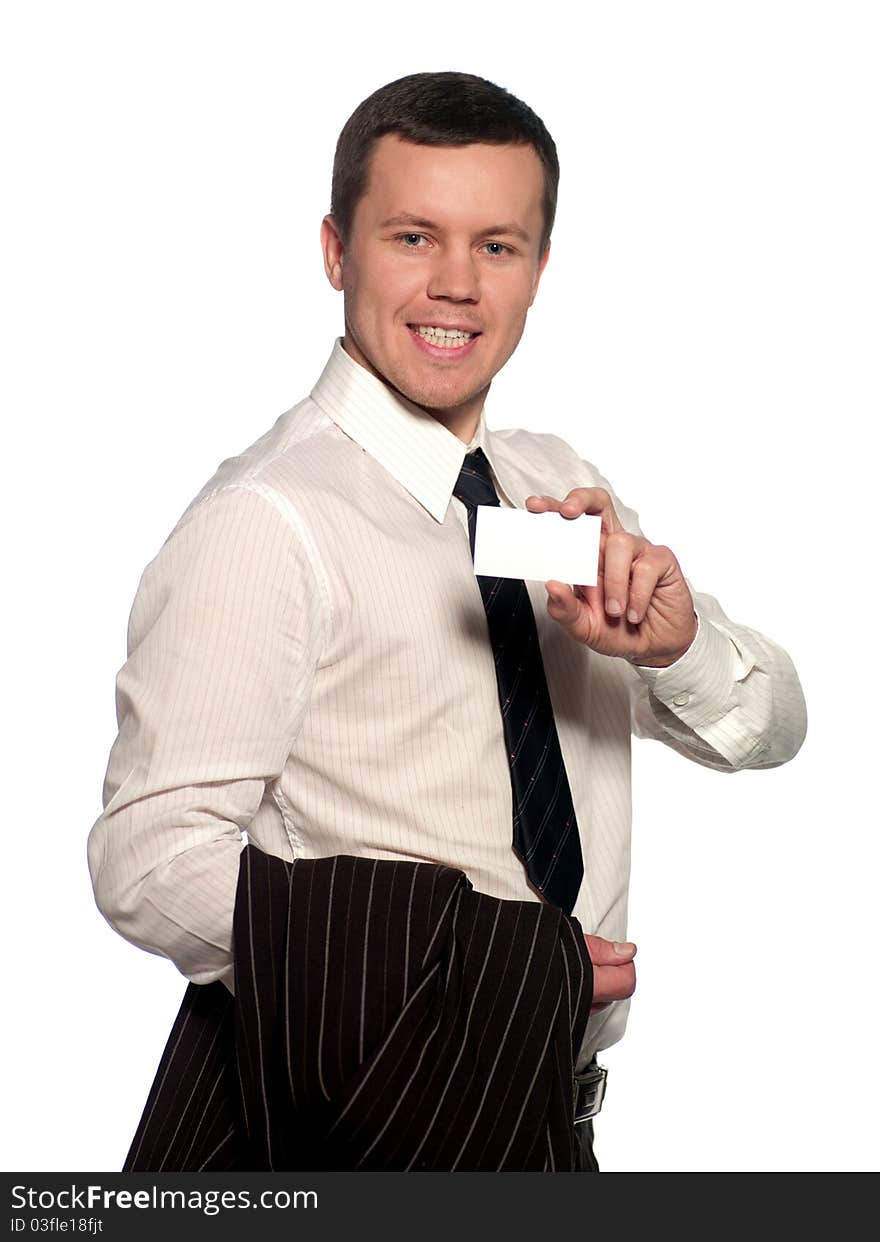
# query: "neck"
[[461, 420]]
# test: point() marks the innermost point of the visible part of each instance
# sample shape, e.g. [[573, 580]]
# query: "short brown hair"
[[443, 110]]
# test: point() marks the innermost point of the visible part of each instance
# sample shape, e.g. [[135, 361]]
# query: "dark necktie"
[[545, 831]]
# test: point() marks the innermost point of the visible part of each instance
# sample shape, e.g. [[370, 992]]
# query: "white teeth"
[[445, 338]]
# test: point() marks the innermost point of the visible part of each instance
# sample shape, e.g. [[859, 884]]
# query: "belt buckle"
[[589, 1092]]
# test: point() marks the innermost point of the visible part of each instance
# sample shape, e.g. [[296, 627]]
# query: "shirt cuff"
[[675, 663], [227, 977], [697, 686]]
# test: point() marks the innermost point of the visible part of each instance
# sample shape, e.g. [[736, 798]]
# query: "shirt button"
[[682, 700]]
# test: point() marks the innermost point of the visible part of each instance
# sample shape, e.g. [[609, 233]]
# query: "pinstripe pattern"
[[386, 1017], [190, 1120], [308, 661]]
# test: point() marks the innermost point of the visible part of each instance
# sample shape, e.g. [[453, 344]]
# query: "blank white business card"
[[514, 543]]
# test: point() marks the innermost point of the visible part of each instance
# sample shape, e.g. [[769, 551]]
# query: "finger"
[[566, 608], [646, 573], [591, 596], [543, 504], [609, 952], [549, 504], [562, 603], [611, 983], [620, 549], [598, 501], [594, 500]]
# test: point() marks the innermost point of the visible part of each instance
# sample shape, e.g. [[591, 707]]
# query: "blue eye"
[[411, 242]]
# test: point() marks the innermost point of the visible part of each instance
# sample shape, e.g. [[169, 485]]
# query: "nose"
[[454, 275]]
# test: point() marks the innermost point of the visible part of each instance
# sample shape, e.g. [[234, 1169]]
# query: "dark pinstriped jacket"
[[386, 1017]]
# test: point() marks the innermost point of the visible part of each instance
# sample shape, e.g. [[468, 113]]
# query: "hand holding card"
[[640, 607]]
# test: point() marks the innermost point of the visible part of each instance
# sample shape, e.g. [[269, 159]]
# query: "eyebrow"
[[406, 217]]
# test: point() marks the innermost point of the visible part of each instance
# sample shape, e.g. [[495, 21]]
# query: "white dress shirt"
[[308, 661]]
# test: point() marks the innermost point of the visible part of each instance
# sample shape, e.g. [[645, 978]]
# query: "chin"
[[438, 399]]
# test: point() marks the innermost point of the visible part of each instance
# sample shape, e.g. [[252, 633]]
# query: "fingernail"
[[612, 605], [623, 948], [632, 616]]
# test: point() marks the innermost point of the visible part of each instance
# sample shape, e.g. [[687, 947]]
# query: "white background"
[[706, 333]]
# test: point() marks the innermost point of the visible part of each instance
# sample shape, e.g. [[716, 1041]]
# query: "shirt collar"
[[416, 450]]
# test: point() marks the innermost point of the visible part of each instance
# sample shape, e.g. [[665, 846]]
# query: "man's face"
[[444, 237]]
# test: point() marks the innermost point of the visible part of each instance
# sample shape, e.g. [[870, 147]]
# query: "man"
[[311, 657]]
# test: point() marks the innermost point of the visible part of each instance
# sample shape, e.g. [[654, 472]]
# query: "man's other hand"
[[614, 974]]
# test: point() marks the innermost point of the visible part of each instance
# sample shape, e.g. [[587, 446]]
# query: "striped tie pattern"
[[545, 831]]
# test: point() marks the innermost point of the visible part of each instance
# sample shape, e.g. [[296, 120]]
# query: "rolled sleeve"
[[225, 635], [732, 701], [697, 687]]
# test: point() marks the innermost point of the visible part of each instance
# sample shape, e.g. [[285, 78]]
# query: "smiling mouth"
[[442, 338]]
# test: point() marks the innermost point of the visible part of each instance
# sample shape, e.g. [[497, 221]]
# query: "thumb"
[[562, 603], [609, 952]]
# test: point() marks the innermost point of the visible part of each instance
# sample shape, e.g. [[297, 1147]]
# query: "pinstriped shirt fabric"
[[387, 1018], [308, 662]]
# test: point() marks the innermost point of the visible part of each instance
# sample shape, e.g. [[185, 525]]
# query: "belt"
[[589, 1091]]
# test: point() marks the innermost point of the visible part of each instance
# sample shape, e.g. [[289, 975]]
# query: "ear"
[[539, 272], [331, 244]]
